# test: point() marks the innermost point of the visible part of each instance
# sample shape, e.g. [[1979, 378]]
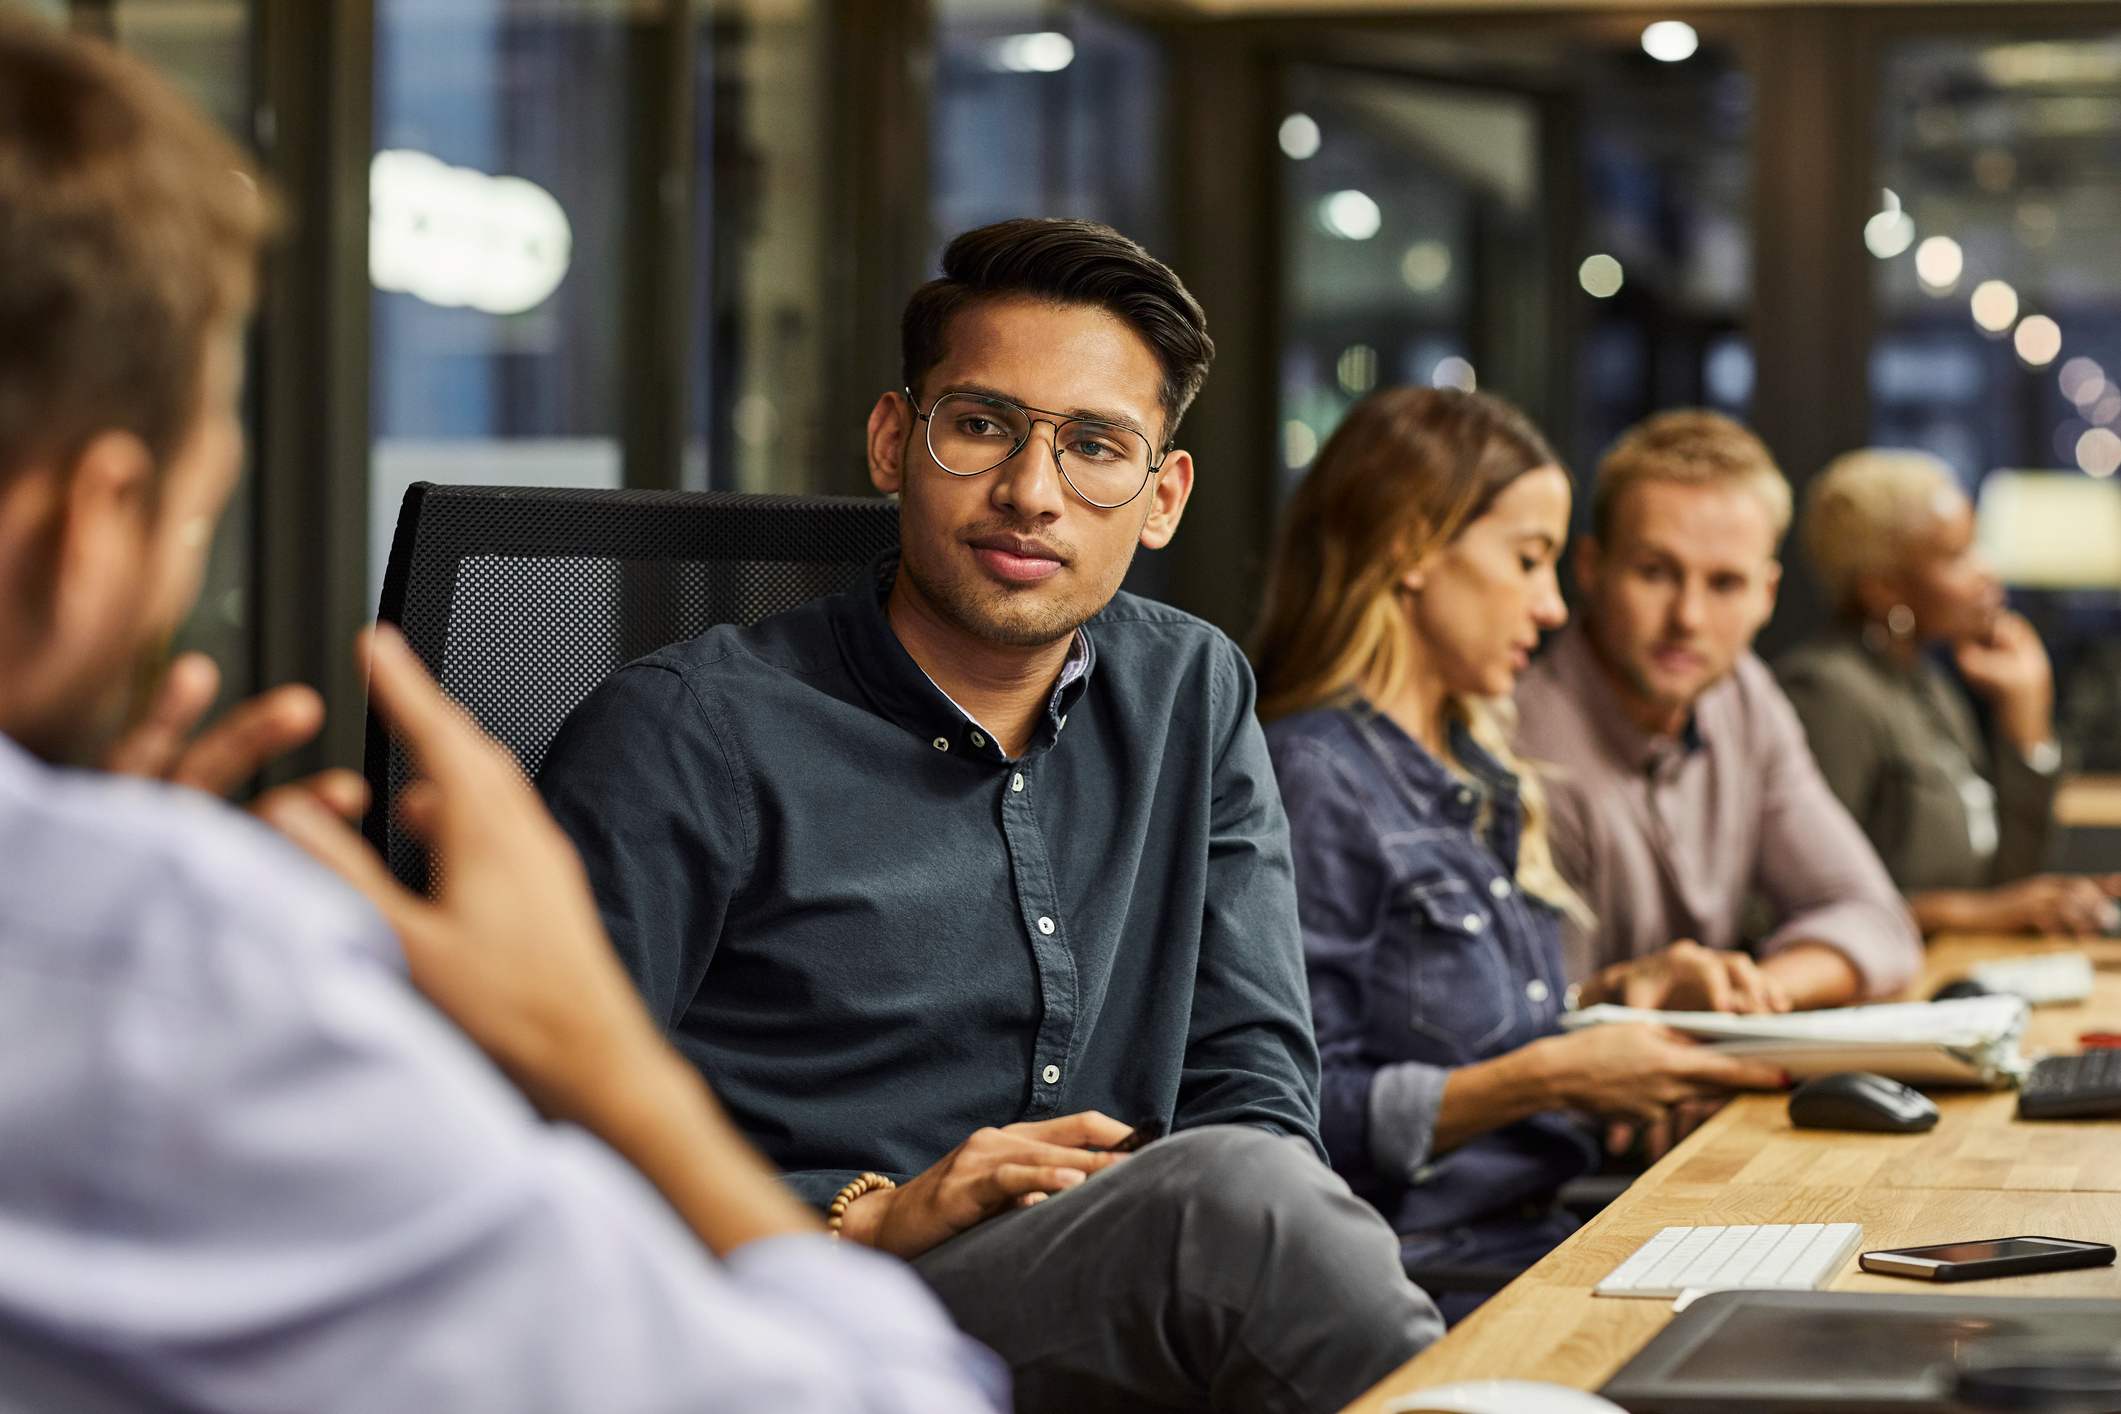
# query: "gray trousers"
[[1221, 1268]]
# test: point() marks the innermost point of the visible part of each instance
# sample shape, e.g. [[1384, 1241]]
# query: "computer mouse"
[[1963, 987], [1857, 1099], [1501, 1397]]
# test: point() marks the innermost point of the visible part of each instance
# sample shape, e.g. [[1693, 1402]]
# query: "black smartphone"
[[1994, 1257], [1144, 1132]]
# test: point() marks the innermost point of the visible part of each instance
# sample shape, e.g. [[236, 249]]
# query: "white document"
[[1968, 1041]]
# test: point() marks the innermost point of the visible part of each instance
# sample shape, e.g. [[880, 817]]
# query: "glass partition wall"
[[1566, 226], [664, 242], [1996, 252]]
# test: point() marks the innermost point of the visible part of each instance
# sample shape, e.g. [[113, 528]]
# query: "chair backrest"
[[520, 600]]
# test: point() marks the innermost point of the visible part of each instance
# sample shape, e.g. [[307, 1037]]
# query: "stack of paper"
[[1968, 1041]]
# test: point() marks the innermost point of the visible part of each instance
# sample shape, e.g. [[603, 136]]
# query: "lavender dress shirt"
[[244, 1167], [1668, 838]]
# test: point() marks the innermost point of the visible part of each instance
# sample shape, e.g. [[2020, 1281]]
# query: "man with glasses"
[[987, 848]]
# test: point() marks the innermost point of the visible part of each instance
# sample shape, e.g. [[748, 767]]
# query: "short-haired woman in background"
[[1413, 579], [1961, 823]]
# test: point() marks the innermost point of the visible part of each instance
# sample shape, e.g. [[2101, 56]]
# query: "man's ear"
[[891, 424], [77, 535], [1168, 494], [1590, 558], [1773, 585]]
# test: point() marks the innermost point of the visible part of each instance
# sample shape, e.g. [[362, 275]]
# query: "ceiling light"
[[1938, 264], [1453, 372], [1670, 41], [2038, 340], [1299, 136], [2099, 452], [1045, 52], [1888, 233], [1995, 306], [1350, 215], [1600, 276], [1425, 266]]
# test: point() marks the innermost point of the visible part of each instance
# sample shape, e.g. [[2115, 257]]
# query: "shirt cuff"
[[1405, 1100]]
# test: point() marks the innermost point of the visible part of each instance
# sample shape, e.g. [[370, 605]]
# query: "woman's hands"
[[1688, 977]]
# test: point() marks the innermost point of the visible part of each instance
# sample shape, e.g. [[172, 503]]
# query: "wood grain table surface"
[[2089, 802], [1981, 1172]]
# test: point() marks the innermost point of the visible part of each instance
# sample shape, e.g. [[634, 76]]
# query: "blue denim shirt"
[[1423, 955]]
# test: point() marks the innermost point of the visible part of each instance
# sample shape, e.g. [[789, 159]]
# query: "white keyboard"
[[2044, 979], [1766, 1257]]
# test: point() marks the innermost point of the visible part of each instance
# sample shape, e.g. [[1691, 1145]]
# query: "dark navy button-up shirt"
[[1423, 955], [874, 933]]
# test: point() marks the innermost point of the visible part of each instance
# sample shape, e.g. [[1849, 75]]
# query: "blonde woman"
[[1961, 822], [1414, 577]]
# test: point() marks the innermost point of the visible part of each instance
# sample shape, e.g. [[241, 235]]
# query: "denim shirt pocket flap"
[[1459, 981]]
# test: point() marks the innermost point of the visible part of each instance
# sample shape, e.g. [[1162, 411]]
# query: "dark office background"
[[664, 242]]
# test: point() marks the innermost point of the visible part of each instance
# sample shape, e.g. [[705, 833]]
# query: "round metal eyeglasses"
[[1102, 462]]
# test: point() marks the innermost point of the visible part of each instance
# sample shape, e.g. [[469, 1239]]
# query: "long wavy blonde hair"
[[1407, 470]]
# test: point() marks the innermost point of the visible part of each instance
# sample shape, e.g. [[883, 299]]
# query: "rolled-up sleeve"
[[1817, 869], [1405, 1099], [1379, 1118], [1250, 1057]]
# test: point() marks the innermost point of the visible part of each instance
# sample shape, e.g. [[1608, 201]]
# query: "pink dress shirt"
[[1671, 837]]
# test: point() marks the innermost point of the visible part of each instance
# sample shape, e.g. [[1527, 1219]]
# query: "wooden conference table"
[[2089, 803], [1980, 1173]]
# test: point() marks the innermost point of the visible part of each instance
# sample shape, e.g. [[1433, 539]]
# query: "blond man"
[[1680, 779]]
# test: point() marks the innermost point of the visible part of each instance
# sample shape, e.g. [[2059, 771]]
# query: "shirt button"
[[1474, 923], [1016, 782], [1536, 990], [1463, 796], [940, 744], [978, 740], [1498, 887], [1045, 925], [1051, 1075]]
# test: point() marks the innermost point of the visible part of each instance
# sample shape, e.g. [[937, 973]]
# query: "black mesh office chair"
[[521, 600]]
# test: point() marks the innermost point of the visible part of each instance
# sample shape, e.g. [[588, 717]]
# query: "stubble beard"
[[994, 614]]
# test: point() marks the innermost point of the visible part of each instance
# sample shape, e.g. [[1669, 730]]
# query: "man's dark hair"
[[1066, 262]]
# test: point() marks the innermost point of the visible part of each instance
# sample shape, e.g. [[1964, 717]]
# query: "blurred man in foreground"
[[242, 1165]]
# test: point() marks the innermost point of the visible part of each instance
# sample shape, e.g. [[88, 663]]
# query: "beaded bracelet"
[[836, 1211]]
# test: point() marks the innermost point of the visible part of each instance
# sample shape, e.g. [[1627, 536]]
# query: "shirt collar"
[[903, 693], [1576, 662], [1433, 789]]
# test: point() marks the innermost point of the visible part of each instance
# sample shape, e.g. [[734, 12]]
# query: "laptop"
[[1830, 1352]]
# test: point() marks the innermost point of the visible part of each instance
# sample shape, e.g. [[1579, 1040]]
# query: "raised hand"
[[166, 743], [511, 949], [2008, 667]]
